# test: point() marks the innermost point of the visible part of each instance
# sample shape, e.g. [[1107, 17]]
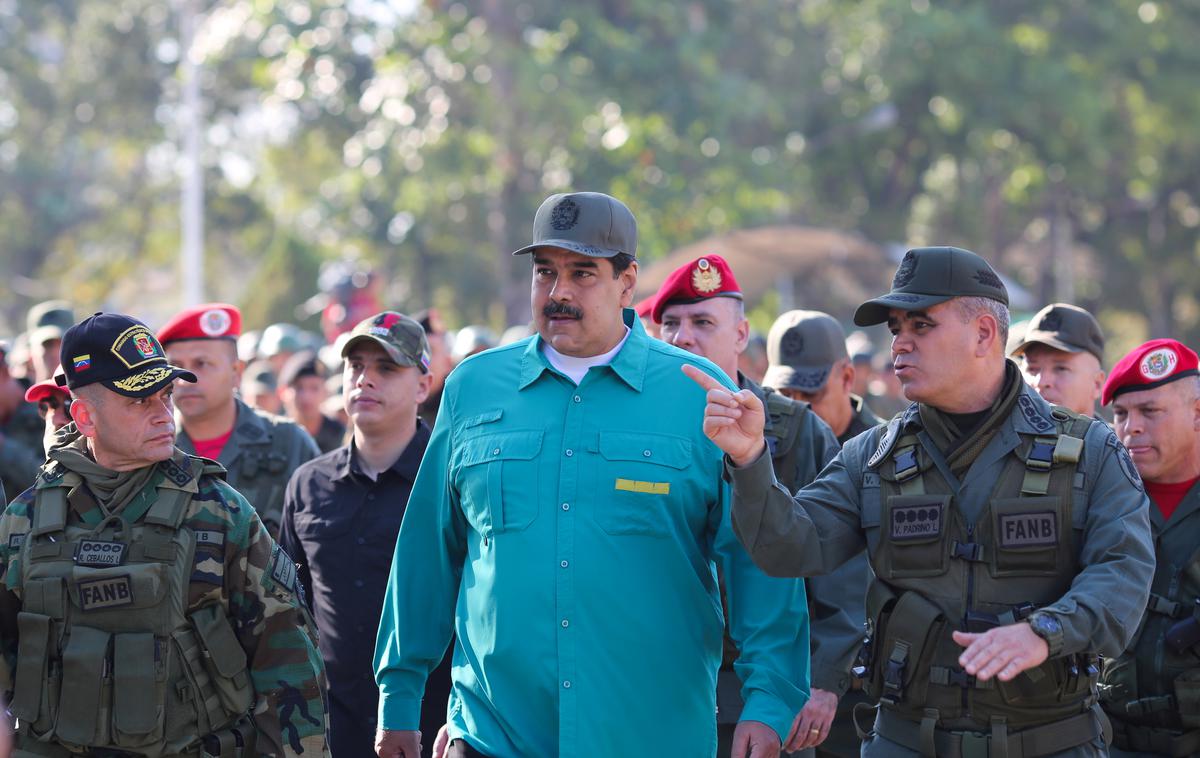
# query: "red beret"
[[42, 390], [698, 280], [210, 321], [1150, 365]]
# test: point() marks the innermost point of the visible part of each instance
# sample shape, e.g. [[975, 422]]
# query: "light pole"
[[191, 208]]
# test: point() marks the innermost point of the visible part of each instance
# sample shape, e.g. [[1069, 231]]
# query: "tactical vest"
[[1152, 691], [110, 656], [935, 574], [261, 474]]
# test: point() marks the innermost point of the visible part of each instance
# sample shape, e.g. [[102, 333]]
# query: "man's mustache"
[[561, 309]]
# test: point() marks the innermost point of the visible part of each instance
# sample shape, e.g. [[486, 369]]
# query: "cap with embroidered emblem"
[[1149, 365], [707, 276], [588, 223], [928, 276], [1064, 327], [401, 338], [119, 352], [802, 347]]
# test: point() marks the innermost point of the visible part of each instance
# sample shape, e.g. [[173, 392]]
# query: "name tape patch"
[[915, 522], [99, 553], [213, 537], [650, 488], [284, 571], [112, 592], [1029, 529]]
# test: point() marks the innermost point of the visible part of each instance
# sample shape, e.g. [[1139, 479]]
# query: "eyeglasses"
[[49, 405]]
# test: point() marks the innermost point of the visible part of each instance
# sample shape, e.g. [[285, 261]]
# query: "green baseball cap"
[[802, 348], [402, 338], [588, 223], [931, 275], [1064, 327], [49, 320]]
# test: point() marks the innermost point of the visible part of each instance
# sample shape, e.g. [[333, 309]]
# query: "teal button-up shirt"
[[567, 535]]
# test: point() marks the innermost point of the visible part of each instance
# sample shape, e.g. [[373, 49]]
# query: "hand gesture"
[[732, 420]]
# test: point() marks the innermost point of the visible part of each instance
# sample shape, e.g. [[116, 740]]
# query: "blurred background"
[[295, 157]]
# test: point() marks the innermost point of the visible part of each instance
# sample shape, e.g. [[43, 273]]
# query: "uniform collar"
[[629, 363], [405, 466]]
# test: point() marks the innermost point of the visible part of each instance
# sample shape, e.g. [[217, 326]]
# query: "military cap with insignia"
[[1064, 327], [1149, 365], [802, 348], [401, 338], [928, 276], [705, 277], [588, 223], [119, 352], [211, 321]]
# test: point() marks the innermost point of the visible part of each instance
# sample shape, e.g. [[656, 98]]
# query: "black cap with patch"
[[119, 352], [1064, 327], [931, 275]]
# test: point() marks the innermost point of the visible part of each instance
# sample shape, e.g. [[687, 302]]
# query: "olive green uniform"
[[801, 445], [955, 557], [863, 420], [260, 457], [170, 626], [1152, 692]]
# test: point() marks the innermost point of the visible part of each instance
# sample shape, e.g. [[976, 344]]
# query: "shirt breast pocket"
[[498, 481], [638, 477]]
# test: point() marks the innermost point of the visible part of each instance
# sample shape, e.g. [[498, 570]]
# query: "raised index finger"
[[701, 378]]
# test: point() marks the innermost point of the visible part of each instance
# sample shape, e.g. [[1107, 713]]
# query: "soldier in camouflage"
[[145, 610]]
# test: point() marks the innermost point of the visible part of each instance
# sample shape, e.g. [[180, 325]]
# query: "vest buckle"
[[967, 551], [906, 464], [1041, 455]]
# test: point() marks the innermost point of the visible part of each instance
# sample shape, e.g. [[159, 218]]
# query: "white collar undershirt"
[[577, 368]]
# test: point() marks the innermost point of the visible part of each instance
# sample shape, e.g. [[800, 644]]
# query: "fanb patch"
[[916, 522], [99, 553], [1029, 529], [112, 592]]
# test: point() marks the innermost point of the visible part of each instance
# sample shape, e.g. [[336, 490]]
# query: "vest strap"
[[1145, 739], [168, 509], [1147, 706], [1169, 608], [999, 741], [957, 677]]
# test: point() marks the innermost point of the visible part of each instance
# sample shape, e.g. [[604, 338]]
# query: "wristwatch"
[[1048, 627]]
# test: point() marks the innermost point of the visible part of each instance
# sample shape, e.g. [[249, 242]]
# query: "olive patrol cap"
[[928, 276], [400, 337], [588, 223], [802, 347]]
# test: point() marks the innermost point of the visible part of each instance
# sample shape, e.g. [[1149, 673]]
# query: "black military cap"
[[119, 352], [931, 275], [1064, 327]]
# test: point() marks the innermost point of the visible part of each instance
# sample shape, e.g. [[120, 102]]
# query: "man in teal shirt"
[[565, 525]]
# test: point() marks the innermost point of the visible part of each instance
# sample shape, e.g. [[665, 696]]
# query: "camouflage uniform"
[[260, 457], [237, 569], [21, 448]]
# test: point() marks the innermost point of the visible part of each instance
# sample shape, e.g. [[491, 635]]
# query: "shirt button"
[[361, 540], [566, 506], [360, 629], [371, 496], [358, 582], [567, 684], [496, 451], [570, 452], [565, 623], [564, 564], [578, 399], [646, 453]]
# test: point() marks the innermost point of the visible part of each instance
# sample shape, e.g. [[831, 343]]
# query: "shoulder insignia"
[[891, 433], [1030, 412], [15, 541], [283, 570], [1123, 457], [178, 475]]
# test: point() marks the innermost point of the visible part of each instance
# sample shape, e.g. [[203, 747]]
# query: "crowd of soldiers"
[[586, 537]]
